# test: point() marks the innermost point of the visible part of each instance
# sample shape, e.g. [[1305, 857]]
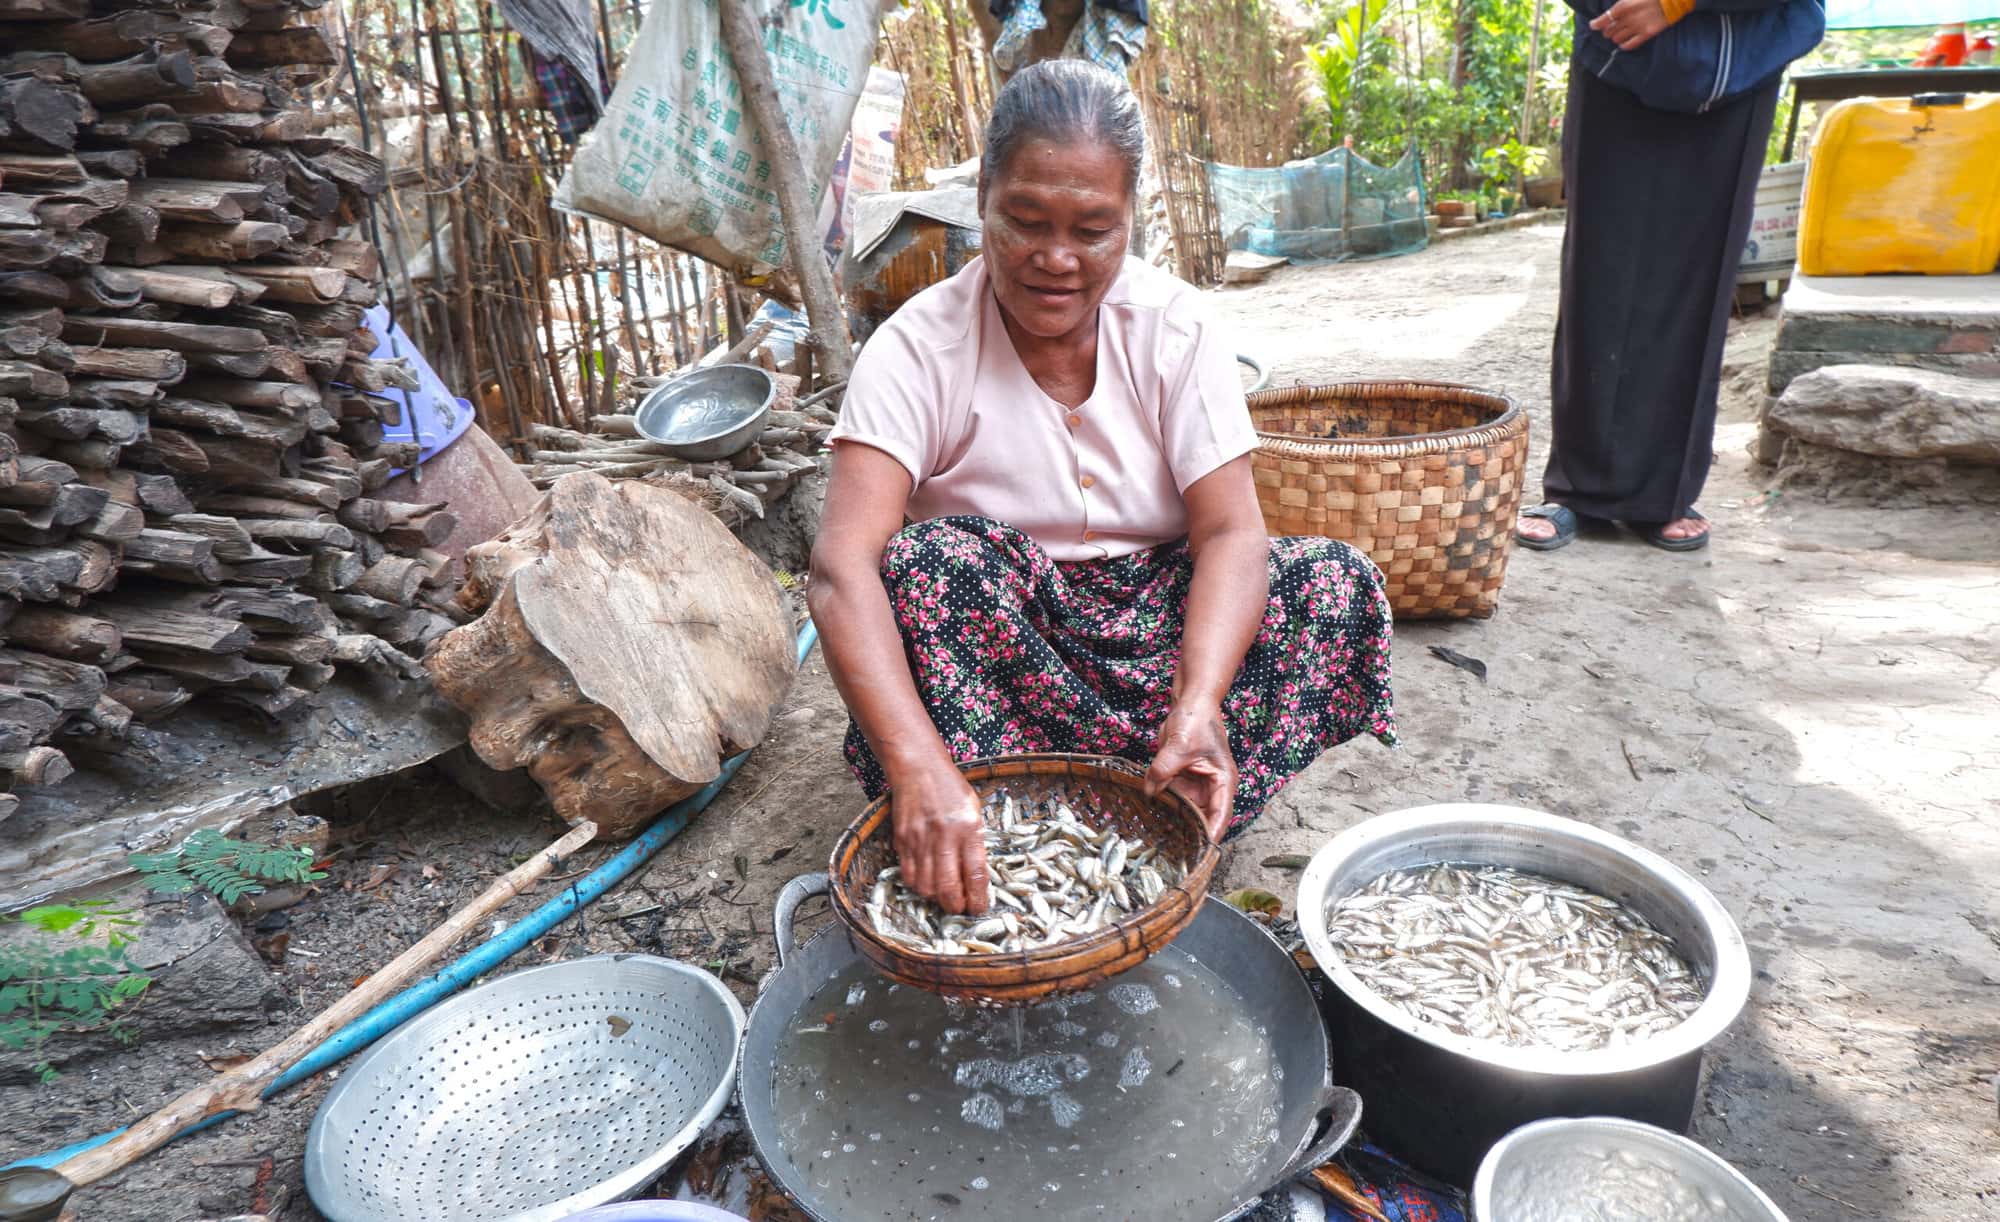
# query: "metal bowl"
[[1446, 1099], [529, 1098], [1543, 1172], [708, 414]]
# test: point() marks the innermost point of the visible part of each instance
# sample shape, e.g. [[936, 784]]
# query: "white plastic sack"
[[676, 155], [867, 162]]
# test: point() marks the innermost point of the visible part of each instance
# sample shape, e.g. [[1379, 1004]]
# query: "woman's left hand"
[[1632, 23], [1192, 758]]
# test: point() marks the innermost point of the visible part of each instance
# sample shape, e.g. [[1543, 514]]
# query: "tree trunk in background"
[[1464, 26], [741, 33]]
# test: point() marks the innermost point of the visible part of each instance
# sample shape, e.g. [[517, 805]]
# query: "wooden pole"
[[740, 33], [1528, 94], [241, 1089]]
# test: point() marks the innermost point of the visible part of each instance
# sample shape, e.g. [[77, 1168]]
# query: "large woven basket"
[[1102, 791], [1425, 477]]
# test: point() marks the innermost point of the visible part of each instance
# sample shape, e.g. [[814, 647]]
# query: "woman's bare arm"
[[1225, 609], [936, 816]]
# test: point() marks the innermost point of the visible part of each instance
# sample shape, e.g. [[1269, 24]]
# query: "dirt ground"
[[1803, 715]]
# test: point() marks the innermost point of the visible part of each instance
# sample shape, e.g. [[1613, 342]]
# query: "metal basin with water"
[[1571, 1169], [708, 414], [1313, 1118]]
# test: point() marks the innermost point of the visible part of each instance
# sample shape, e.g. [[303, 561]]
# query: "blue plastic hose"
[[482, 959]]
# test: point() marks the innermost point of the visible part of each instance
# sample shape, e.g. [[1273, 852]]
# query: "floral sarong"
[[1013, 652]]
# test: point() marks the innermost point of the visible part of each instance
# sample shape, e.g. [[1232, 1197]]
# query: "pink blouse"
[[940, 389]]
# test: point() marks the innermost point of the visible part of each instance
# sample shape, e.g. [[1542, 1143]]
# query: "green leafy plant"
[[1503, 166], [1341, 61], [228, 869], [72, 973]]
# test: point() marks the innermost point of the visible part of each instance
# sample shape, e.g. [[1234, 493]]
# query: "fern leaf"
[[169, 884], [154, 863]]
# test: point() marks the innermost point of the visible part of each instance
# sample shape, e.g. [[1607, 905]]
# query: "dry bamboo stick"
[[241, 1089]]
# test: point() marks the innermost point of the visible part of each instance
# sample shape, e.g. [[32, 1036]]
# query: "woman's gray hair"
[[1067, 101]]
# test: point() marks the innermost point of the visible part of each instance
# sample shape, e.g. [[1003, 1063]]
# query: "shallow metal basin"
[[708, 414]]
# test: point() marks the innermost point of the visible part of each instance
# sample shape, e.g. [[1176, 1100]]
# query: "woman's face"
[[1057, 220]]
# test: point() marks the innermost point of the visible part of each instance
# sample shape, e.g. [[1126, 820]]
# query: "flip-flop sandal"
[[1693, 543], [1565, 520]]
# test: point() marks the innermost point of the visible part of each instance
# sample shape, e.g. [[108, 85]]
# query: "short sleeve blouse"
[[940, 389]]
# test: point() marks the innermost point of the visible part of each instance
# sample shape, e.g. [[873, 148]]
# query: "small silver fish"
[[1052, 876], [1504, 955]]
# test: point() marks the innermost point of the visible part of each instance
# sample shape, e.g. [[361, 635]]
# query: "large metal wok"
[[1315, 1117]]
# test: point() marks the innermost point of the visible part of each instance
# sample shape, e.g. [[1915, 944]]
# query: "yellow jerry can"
[[1904, 185]]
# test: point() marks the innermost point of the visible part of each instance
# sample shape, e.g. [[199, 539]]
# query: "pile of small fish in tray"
[[1052, 878], [1513, 958]]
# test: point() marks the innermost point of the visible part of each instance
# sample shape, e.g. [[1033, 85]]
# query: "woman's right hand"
[[940, 838]]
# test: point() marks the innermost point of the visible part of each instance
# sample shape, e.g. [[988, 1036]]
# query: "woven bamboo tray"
[[1101, 791], [1425, 477]]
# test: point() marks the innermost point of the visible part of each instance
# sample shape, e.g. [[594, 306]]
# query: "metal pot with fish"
[[1184, 1088], [1494, 966]]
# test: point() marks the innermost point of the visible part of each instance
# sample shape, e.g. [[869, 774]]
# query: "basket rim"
[[1038, 763], [1511, 419]]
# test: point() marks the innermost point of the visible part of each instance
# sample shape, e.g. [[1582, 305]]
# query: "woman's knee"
[[932, 546], [1321, 576]]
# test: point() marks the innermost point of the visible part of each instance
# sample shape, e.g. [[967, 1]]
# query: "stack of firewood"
[[737, 488], [191, 429]]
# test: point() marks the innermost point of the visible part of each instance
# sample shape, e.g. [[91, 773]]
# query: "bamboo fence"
[[541, 318]]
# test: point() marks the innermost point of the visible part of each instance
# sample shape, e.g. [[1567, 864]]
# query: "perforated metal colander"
[[529, 1098]]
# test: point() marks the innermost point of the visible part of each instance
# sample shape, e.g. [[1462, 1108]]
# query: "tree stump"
[[626, 645]]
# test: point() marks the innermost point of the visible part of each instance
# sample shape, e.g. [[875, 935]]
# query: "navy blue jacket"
[[1722, 50]]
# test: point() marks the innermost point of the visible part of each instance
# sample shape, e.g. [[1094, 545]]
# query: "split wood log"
[[147, 130], [220, 670], [178, 285], [112, 163], [65, 634], [115, 523], [146, 77], [149, 694], [103, 38], [40, 112], [311, 535], [19, 170], [630, 615], [66, 686], [162, 366], [140, 333], [103, 288], [37, 765], [154, 628], [335, 569], [232, 542], [217, 243]]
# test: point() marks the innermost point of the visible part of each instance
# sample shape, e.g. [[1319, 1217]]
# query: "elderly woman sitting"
[[1089, 570]]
